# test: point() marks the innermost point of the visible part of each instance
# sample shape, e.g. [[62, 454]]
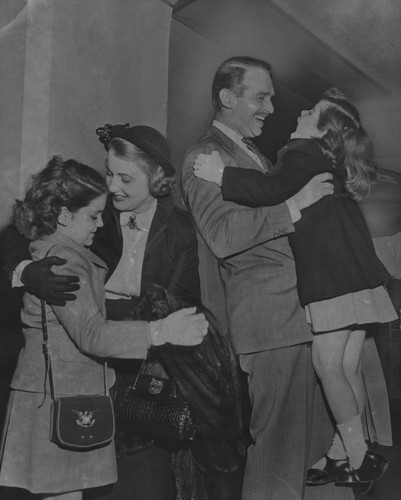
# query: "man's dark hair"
[[230, 74]]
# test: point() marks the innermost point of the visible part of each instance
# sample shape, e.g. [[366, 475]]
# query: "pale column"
[[36, 100]]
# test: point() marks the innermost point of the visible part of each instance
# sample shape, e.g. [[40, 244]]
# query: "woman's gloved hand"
[[40, 281], [183, 327]]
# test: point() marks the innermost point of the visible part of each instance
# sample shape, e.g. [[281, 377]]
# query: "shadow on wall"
[[382, 208]]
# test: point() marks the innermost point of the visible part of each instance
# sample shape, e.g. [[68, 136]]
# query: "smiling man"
[[249, 250], [249, 101]]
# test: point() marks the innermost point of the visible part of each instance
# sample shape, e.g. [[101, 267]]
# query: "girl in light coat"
[[61, 212]]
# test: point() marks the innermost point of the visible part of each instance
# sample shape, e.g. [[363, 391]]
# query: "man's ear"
[[227, 98], [64, 216]]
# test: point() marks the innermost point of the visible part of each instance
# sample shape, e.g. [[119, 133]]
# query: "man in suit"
[[250, 250]]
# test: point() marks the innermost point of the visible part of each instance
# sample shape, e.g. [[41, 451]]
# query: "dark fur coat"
[[207, 376]]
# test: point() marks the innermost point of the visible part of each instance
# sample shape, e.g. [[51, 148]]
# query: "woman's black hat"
[[148, 139]]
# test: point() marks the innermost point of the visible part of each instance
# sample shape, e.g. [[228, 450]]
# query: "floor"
[[388, 488]]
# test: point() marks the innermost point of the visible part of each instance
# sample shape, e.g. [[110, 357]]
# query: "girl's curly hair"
[[60, 184], [346, 143]]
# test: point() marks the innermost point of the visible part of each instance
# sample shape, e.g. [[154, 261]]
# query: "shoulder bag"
[[81, 422]]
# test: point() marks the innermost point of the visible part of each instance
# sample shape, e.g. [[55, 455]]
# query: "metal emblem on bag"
[[85, 418], [155, 386]]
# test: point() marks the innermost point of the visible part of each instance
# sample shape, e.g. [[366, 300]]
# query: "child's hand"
[[183, 327], [209, 167]]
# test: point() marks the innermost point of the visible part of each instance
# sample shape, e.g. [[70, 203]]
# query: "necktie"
[[251, 146]]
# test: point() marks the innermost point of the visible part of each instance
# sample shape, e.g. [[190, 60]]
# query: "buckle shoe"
[[372, 469], [333, 471]]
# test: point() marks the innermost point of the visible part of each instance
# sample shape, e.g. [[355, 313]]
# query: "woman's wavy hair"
[[158, 182], [346, 143], [60, 184]]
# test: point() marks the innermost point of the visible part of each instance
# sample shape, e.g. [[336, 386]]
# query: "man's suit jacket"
[[254, 258], [171, 253]]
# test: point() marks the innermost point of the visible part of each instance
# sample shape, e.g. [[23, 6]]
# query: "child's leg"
[[353, 368], [73, 495], [353, 372], [328, 355], [328, 351], [336, 451]]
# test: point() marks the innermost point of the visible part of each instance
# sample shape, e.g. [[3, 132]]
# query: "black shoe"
[[372, 469], [363, 488], [333, 471]]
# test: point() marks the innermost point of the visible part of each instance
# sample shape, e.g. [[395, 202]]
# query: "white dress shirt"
[[125, 281]]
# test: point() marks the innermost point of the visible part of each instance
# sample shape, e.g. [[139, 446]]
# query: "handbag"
[[82, 422], [151, 405]]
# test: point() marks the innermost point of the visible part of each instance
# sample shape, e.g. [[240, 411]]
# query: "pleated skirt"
[[358, 308]]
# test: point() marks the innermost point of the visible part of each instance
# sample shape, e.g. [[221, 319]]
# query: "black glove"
[[40, 281]]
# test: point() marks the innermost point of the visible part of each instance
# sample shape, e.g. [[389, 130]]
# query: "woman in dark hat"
[[142, 217], [146, 239]]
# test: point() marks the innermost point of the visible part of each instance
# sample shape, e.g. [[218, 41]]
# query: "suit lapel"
[[110, 233], [159, 223], [241, 158]]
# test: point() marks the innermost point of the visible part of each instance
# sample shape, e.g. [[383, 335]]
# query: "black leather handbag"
[[149, 404], [82, 422]]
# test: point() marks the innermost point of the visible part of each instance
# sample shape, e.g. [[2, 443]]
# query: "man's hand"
[[40, 281], [314, 190]]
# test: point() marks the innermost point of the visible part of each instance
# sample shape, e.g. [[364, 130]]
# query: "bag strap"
[[46, 352], [48, 362], [141, 372]]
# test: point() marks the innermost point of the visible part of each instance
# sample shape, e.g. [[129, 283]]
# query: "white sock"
[[336, 452], [354, 440]]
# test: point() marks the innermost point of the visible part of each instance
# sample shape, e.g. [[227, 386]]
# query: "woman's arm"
[[37, 277]]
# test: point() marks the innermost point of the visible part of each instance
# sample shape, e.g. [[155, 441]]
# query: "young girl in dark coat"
[[340, 278]]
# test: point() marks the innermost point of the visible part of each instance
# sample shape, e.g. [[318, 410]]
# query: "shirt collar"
[[229, 132], [143, 220]]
